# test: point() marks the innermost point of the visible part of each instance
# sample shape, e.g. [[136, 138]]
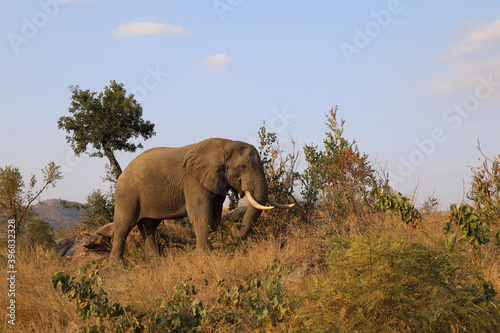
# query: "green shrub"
[[95, 212], [180, 314], [386, 199], [373, 284], [262, 304], [280, 169], [337, 177], [485, 187], [470, 224], [40, 232]]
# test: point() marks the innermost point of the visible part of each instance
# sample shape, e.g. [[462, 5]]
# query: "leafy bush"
[[373, 284], [180, 314], [280, 169], [485, 191], [15, 202], [40, 232], [339, 176], [97, 210], [263, 303], [470, 224], [386, 199]]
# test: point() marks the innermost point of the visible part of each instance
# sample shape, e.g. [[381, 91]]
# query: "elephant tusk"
[[275, 204], [254, 202]]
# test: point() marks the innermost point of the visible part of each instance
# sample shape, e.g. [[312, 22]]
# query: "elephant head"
[[220, 165]]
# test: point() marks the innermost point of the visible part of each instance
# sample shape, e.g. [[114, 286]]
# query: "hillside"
[[52, 211]]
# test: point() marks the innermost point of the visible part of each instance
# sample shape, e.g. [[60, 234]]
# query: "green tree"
[[485, 187], [280, 167], [40, 232], [15, 203], [339, 174], [96, 211], [11, 196], [106, 121]]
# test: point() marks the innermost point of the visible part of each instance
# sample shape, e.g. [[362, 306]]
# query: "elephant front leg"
[[200, 213], [148, 227]]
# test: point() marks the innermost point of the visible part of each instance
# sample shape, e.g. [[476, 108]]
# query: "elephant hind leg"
[[148, 227], [125, 221]]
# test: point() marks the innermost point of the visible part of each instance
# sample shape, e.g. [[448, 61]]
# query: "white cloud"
[[477, 54], [67, 1], [147, 28], [481, 39], [217, 62]]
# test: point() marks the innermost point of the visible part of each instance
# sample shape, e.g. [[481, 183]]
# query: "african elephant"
[[169, 183]]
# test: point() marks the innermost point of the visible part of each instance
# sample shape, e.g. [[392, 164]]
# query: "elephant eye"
[[243, 166]]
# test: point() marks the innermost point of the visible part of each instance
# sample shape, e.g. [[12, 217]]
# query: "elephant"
[[193, 181]]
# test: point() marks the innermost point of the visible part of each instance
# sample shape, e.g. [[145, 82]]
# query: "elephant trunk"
[[259, 193]]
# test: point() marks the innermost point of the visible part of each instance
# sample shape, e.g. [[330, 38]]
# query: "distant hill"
[[52, 211]]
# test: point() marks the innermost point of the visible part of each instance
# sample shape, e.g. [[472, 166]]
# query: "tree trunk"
[[113, 161]]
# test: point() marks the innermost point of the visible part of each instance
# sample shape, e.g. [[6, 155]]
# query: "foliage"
[[106, 121], [90, 305], [233, 199], [386, 199], [430, 204], [470, 224], [180, 314], [14, 202], [262, 303], [280, 169], [97, 210], [473, 224], [339, 176], [485, 191], [374, 284], [40, 232], [11, 195]]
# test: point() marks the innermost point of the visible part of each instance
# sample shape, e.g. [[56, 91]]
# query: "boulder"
[[64, 245], [106, 230], [96, 242], [235, 215], [84, 244]]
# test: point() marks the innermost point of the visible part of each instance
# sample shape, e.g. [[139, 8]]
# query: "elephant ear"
[[205, 163]]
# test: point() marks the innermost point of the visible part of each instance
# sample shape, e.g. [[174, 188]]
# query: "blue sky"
[[418, 82]]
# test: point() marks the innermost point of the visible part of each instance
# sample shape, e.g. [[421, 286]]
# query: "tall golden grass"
[[40, 308]]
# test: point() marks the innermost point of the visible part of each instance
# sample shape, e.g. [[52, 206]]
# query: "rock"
[[64, 245], [106, 230], [96, 242], [84, 244], [235, 215]]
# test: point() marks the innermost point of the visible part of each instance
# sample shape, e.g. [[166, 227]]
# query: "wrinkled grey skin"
[[170, 183]]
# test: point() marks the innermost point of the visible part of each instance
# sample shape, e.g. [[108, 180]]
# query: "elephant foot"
[[204, 247]]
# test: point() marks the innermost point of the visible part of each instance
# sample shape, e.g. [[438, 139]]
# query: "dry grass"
[[41, 309]]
